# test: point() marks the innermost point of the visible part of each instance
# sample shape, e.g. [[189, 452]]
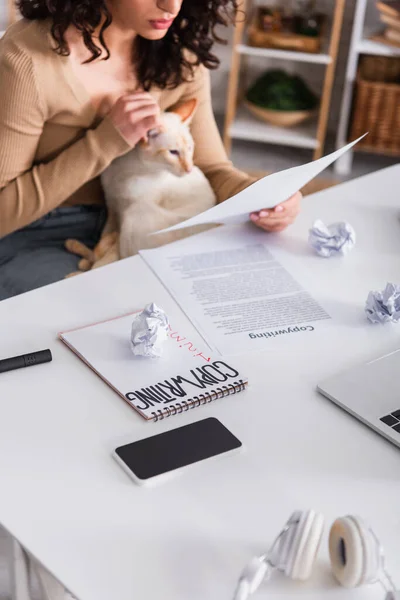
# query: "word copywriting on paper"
[[235, 291]]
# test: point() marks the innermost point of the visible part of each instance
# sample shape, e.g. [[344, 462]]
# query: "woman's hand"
[[278, 218], [134, 115]]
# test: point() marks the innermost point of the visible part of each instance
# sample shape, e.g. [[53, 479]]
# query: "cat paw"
[[72, 274], [76, 247], [71, 245], [84, 265], [106, 242]]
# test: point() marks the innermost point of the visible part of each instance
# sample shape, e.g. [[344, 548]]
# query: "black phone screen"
[[177, 448]]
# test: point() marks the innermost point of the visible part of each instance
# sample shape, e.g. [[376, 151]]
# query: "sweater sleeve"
[[28, 190], [210, 155]]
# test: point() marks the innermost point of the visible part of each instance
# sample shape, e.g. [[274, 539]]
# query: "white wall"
[[3, 15], [312, 75]]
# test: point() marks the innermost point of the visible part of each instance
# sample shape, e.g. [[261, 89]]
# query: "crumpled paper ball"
[[337, 238], [384, 306], [149, 332]]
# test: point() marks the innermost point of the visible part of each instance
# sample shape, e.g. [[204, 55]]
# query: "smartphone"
[[153, 458]]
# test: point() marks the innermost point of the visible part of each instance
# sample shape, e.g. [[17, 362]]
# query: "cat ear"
[[185, 110]]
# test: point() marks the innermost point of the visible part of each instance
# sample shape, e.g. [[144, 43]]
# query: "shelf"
[[241, 124], [307, 57], [366, 46], [247, 127]]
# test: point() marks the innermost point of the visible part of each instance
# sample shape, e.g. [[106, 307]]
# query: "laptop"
[[371, 393]]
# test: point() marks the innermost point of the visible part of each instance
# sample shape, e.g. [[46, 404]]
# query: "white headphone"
[[355, 553]]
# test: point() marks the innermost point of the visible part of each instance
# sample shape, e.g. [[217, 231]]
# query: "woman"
[[82, 83]]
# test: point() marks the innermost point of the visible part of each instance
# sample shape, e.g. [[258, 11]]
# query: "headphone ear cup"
[[304, 544], [354, 552]]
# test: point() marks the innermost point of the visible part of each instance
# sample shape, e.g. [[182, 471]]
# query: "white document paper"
[[234, 290], [265, 193]]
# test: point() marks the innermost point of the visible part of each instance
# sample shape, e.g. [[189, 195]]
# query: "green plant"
[[277, 90]]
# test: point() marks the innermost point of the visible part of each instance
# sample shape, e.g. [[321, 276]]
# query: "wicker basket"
[[380, 68], [376, 108], [279, 118], [285, 41]]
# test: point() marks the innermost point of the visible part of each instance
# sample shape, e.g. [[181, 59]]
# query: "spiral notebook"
[[184, 377]]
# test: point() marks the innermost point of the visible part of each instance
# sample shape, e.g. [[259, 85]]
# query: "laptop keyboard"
[[392, 420]]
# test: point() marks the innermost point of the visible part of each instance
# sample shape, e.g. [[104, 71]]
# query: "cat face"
[[171, 145]]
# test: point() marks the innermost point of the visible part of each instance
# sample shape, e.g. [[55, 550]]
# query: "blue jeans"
[[35, 255]]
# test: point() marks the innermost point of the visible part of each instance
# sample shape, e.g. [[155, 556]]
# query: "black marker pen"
[[25, 360]]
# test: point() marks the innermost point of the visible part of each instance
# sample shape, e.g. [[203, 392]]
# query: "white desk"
[[66, 500]]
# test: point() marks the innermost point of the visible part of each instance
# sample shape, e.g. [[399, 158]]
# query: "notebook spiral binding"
[[206, 398]]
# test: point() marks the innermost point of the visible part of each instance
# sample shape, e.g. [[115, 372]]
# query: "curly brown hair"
[[163, 62]]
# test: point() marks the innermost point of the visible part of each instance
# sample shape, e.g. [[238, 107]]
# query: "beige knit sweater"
[[53, 145]]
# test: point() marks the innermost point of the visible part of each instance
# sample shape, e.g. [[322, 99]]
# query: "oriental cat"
[[153, 186]]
